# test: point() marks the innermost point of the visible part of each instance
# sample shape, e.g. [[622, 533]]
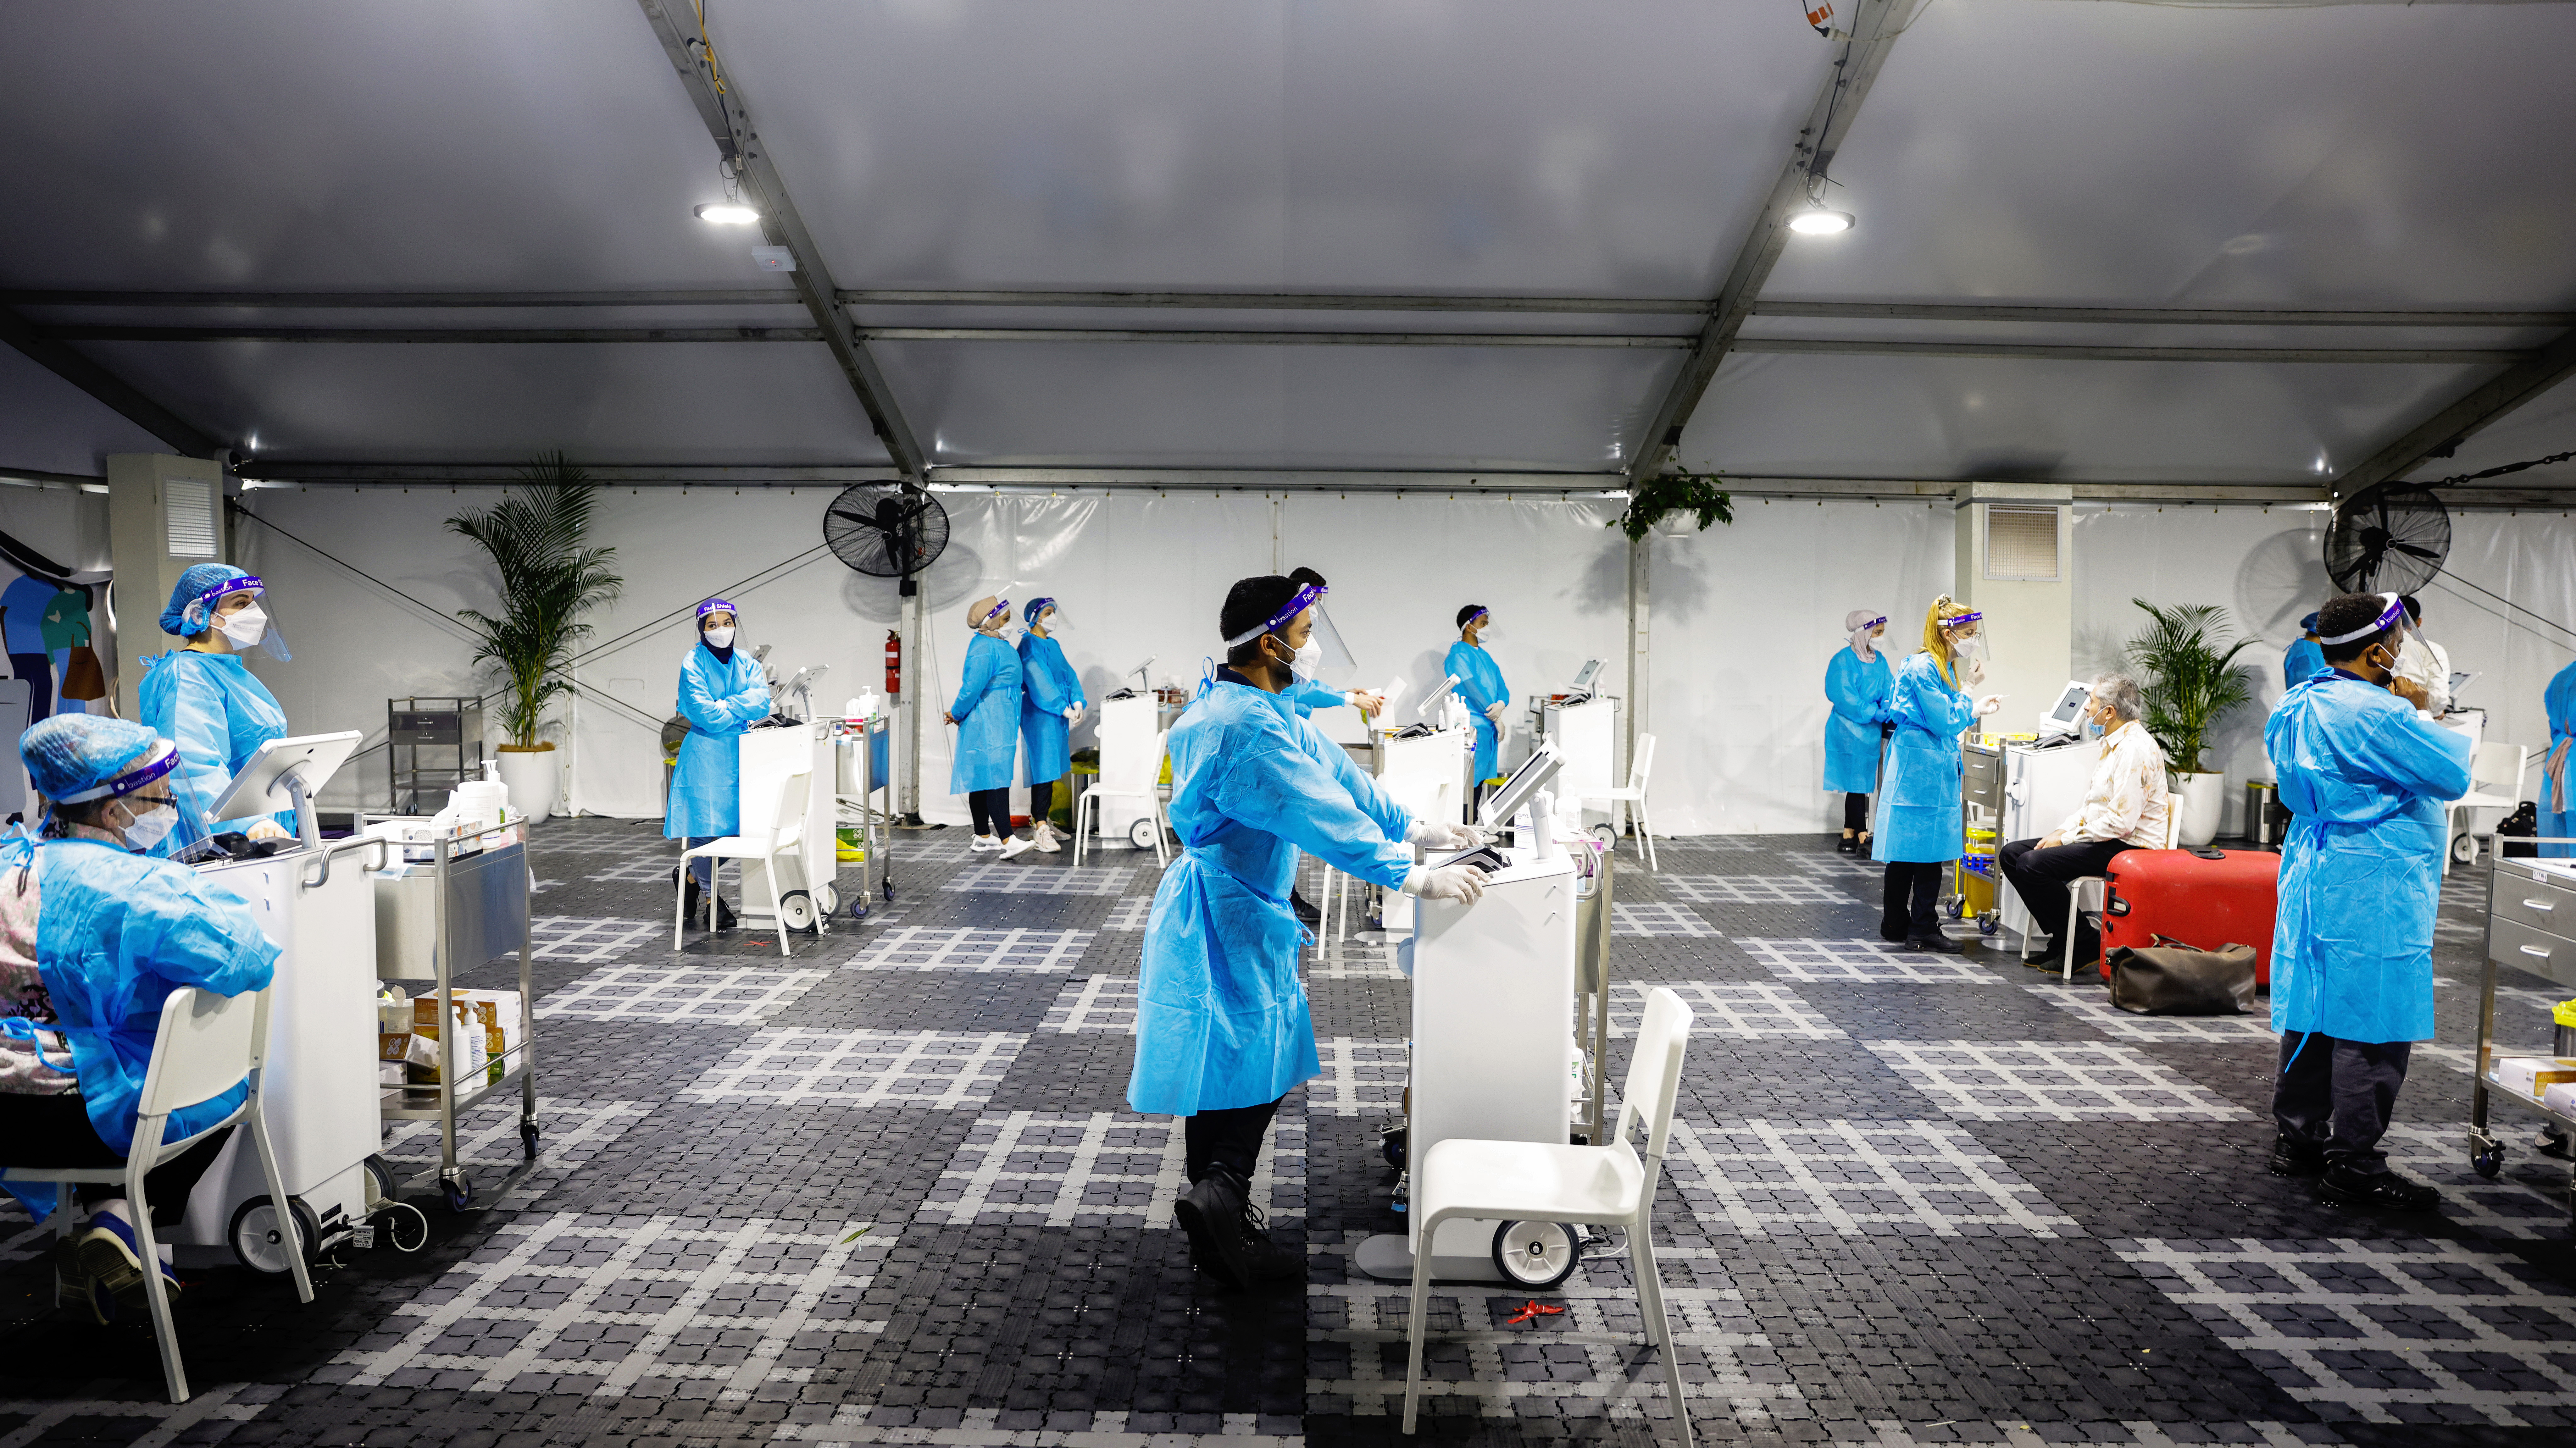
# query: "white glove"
[[1989, 705], [1462, 883], [1072, 715], [1496, 712], [1432, 835], [267, 829], [1367, 701]]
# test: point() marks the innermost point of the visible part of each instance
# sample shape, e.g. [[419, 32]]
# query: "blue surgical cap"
[[72, 754], [1036, 606], [2308, 624], [193, 585]]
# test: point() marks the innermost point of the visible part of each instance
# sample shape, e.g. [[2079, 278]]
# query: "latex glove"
[[1367, 701], [1432, 835], [1072, 715], [268, 829], [1462, 883], [1989, 704], [1496, 712]]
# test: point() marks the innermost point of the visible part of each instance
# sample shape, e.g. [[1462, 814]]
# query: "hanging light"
[[1820, 221], [727, 213]]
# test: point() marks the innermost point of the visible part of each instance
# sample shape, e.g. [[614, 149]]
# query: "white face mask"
[[720, 637], [1308, 660], [244, 628], [152, 826]]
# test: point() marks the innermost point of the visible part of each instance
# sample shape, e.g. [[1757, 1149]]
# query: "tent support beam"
[[2435, 436], [1875, 26], [128, 401], [729, 124]]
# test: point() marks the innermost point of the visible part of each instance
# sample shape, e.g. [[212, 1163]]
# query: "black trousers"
[[1919, 884], [991, 809], [2339, 1095], [1041, 800], [1856, 812], [56, 1131], [2042, 877], [1230, 1138]]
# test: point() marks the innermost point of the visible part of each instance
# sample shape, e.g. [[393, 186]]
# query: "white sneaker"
[[1014, 845], [985, 845], [1044, 838]]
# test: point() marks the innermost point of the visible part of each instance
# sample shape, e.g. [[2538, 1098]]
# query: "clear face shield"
[[1047, 614], [150, 809], [992, 620], [238, 609], [2413, 658], [1967, 635]]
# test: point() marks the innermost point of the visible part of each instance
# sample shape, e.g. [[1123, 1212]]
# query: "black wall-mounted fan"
[[886, 530], [2388, 538]]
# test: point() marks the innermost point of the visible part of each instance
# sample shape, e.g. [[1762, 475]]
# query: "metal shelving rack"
[[2531, 926], [425, 722]]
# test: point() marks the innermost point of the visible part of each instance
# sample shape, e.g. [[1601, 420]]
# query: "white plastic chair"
[[785, 840], [1628, 803], [1606, 1185], [1086, 811], [206, 1044], [2075, 887], [2490, 787]]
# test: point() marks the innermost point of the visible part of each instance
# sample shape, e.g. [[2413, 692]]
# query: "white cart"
[[1130, 768], [768, 757]]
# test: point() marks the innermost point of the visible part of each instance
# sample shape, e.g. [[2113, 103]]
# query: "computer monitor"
[[2064, 716], [2459, 682], [1508, 798], [261, 787], [1582, 684]]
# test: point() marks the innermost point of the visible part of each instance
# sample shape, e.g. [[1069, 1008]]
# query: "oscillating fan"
[[2388, 538], [886, 530]]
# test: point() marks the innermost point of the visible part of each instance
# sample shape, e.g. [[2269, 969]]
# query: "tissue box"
[[2534, 1075], [2561, 1098]]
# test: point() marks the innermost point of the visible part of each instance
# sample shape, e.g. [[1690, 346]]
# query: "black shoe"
[[2292, 1157], [724, 914], [1933, 944], [1306, 914], [693, 903], [1892, 934], [2346, 1187], [1212, 1213], [1846, 845], [2053, 960], [2553, 1142], [1267, 1260]]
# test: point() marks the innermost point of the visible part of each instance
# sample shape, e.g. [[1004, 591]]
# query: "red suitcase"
[[2201, 903]]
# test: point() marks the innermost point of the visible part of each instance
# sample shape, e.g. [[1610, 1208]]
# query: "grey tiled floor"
[[888, 1191]]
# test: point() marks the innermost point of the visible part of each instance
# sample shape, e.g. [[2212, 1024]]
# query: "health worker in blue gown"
[[1859, 680], [1051, 704], [1309, 693], [100, 933], [1480, 683], [723, 692], [2303, 660], [987, 715], [1920, 828], [200, 697], [2557, 805], [1222, 1026], [2365, 777]]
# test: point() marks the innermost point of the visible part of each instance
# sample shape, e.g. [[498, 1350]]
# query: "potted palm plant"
[[538, 540], [2192, 679]]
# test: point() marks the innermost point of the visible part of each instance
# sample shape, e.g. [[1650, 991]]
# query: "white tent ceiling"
[[2347, 157]]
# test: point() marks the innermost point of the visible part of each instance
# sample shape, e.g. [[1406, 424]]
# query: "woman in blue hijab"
[[722, 693]]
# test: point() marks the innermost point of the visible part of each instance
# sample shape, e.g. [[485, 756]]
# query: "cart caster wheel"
[[1956, 906], [258, 1238], [1989, 925], [885, 891], [2488, 1163], [380, 1182], [827, 898], [796, 910], [459, 1193], [1608, 835], [1391, 1146], [2464, 849], [528, 1140], [1536, 1256], [858, 911], [1141, 834]]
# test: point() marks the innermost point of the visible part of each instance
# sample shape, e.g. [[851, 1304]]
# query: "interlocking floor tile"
[[678, 994], [570, 1133], [1129, 913], [1757, 889], [1104, 1003], [1739, 1010], [654, 870], [1362, 1077], [1061, 1169], [2384, 1332], [2091, 1004], [1658, 920], [1353, 962], [954, 1071], [563, 937], [1768, 1178], [1018, 879], [1865, 962], [912, 947], [2049, 1081]]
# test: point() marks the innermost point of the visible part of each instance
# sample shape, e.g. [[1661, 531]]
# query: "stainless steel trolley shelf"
[[481, 912], [2531, 926]]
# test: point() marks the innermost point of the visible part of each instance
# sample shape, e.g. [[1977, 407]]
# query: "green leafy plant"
[[2192, 677], [549, 577], [1658, 498]]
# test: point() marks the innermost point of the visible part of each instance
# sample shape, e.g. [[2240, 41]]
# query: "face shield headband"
[[158, 761], [202, 614], [717, 605], [1001, 609], [1307, 597], [2388, 617], [1960, 620]]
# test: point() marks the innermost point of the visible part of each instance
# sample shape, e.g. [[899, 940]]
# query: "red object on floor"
[[1531, 1312], [2200, 903]]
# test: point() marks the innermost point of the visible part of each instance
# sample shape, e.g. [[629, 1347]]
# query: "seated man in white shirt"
[[2124, 809]]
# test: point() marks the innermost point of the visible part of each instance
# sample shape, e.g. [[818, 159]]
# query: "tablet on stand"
[[285, 775]]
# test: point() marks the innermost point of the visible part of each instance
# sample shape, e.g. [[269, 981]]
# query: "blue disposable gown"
[[987, 712], [1480, 683], [115, 934], [1918, 802], [720, 699], [1222, 1019], [2558, 802], [1052, 687], [2365, 776], [1308, 695], [1860, 692], [2303, 662], [216, 711]]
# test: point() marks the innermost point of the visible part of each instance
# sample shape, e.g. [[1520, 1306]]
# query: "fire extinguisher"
[[894, 661]]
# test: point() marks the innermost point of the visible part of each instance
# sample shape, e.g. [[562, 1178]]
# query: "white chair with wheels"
[[207, 1044], [1628, 802], [2075, 887], [1086, 811], [2495, 782], [1606, 1185], [782, 843]]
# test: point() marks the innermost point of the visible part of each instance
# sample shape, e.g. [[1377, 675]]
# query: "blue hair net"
[[1036, 606], [194, 585], [2308, 624], [70, 754]]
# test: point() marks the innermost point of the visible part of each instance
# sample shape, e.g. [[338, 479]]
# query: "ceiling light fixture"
[[1819, 221], [727, 213]]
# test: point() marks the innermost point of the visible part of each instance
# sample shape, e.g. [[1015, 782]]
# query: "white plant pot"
[[2204, 799], [531, 776]]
